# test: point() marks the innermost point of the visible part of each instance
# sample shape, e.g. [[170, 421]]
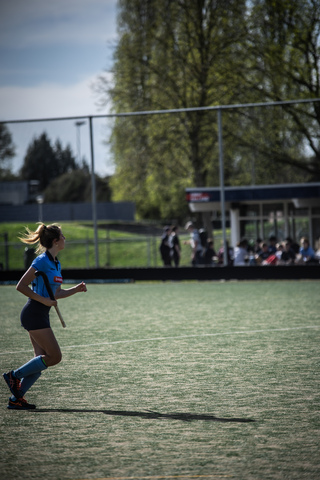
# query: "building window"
[[272, 210], [250, 229], [249, 210]]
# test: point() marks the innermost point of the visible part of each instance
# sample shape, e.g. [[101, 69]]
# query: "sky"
[[51, 53]]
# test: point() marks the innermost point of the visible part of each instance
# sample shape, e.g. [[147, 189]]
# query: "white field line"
[[178, 337]]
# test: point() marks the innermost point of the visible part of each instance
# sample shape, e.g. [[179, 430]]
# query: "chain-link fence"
[[134, 251], [88, 136]]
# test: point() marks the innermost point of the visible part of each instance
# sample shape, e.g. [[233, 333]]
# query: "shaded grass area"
[[219, 380]]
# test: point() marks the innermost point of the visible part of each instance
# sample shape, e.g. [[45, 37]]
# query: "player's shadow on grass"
[[148, 415]]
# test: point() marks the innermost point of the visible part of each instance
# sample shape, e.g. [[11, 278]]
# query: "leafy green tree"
[[7, 152], [44, 162], [197, 53], [76, 187], [284, 53], [172, 55], [65, 161]]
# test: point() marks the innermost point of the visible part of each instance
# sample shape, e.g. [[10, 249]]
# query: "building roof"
[[208, 198]]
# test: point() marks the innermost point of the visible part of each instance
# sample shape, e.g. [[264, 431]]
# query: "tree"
[[284, 52], [76, 187], [65, 161], [172, 55], [44, 162], [7, 152], [196, 53]]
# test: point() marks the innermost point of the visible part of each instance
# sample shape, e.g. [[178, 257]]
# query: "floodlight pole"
[[222, 201], [94, 197]]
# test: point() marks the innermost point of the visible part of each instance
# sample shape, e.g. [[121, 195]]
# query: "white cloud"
[[49, 100], [41, 23]]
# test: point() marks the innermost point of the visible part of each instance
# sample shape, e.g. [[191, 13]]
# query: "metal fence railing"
[[96, 128], [137, 251]]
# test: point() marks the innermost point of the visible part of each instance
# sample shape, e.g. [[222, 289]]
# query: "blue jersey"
[[52, 268]]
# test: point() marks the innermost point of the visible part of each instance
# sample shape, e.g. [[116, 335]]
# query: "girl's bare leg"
[[45, 344]]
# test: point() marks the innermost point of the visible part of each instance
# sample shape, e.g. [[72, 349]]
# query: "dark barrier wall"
[[297, 272], [54, 212]]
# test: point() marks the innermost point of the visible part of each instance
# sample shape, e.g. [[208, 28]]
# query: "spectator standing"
[[229, 255], [175, 246], [210, 256], [241, 253], [195, 243], [165, 247], [317, 253]]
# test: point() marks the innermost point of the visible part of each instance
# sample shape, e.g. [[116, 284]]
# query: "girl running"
[[35, 314]]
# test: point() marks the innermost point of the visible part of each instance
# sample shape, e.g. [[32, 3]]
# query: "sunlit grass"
[[218, 379]]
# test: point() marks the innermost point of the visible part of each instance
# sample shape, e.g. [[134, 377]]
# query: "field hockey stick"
[[49, 290]]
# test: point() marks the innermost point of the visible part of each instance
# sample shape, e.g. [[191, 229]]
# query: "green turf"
[[170, 380]]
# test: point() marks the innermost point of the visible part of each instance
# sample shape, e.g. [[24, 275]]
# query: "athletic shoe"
[[20, 404], [13, 383]]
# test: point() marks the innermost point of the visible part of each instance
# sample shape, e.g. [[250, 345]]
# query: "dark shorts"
[[35, 316]]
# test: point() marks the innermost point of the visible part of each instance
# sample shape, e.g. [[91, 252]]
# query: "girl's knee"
[[58, 357], [53, 359]]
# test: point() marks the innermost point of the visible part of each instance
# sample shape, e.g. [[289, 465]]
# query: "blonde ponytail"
[[43, 236]]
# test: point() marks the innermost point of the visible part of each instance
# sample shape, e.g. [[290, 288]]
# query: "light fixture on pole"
[[40, 200], [78, 125]]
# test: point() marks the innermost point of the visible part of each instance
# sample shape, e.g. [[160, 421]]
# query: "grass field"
[[116, 248], [170, 380]]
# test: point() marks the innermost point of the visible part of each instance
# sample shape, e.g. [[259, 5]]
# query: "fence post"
[[108, 247], [154, 242], [87, 251], [222, 198], [94, 197], [148, 252], [6, 250]]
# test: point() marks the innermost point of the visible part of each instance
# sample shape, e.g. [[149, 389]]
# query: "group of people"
[[269, 252], [202, 248], [170, 248], [272, 252], [202, 251]]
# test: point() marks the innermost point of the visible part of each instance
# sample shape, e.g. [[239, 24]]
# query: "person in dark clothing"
[[293, 245], [165, 247], [175, 246], [288, 255], [229, 255], [272, 246], [210, 257], [265, 253]]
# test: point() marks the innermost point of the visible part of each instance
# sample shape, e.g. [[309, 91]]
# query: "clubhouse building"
[[262, 210]]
